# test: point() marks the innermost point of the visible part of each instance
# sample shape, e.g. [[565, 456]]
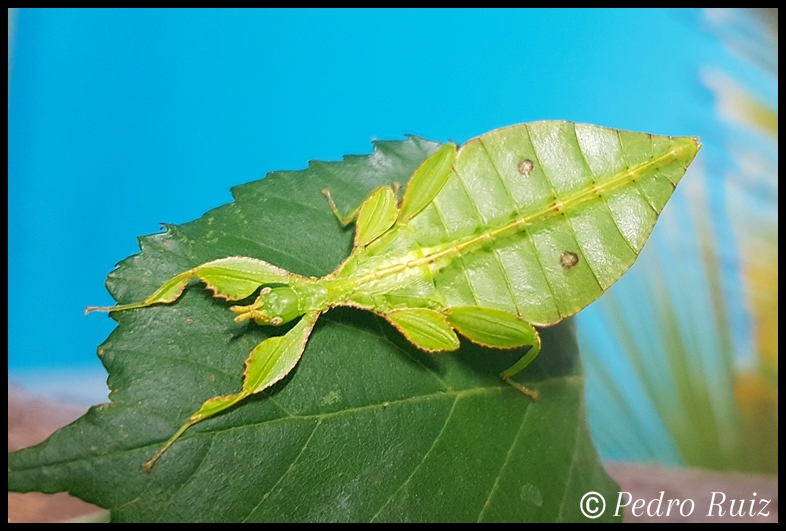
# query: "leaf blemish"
[[525, 167], [331, 398], [569, 259], [532, 494]]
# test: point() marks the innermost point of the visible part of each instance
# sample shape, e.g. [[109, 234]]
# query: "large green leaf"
[[365, 428]]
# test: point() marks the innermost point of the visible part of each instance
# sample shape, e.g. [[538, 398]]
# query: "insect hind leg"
[[522, 364]]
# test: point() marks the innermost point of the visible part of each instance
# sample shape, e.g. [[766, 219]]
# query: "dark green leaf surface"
[[366, 427]]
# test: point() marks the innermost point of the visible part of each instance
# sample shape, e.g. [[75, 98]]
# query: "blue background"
[[122, 119]]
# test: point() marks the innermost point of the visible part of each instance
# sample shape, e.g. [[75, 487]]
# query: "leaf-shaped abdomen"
[[539, 219]]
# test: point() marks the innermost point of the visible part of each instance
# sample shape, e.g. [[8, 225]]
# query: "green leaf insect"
[[522, 226]]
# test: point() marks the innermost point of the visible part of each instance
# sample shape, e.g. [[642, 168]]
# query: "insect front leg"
[[268, 363], [233, 278]]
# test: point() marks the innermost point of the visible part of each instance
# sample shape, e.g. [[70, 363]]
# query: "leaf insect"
[[522, 226]]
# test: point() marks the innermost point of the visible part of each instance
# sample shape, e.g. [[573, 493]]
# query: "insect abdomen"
[[521, 197]]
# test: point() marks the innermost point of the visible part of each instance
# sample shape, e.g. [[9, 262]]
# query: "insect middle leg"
[[344, 220]]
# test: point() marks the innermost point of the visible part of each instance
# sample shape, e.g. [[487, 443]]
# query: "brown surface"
[[32, 419], [647, 481]]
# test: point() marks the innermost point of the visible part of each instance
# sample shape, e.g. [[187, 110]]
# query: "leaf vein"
[[513, 444], [505, 275], [283, 475], [423, 460], [529, 232]]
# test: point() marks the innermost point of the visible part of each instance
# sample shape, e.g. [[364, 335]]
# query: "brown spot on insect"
[[569, 259], [526, 167]]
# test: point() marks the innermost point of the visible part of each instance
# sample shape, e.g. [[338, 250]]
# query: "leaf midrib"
[[452, 394]]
